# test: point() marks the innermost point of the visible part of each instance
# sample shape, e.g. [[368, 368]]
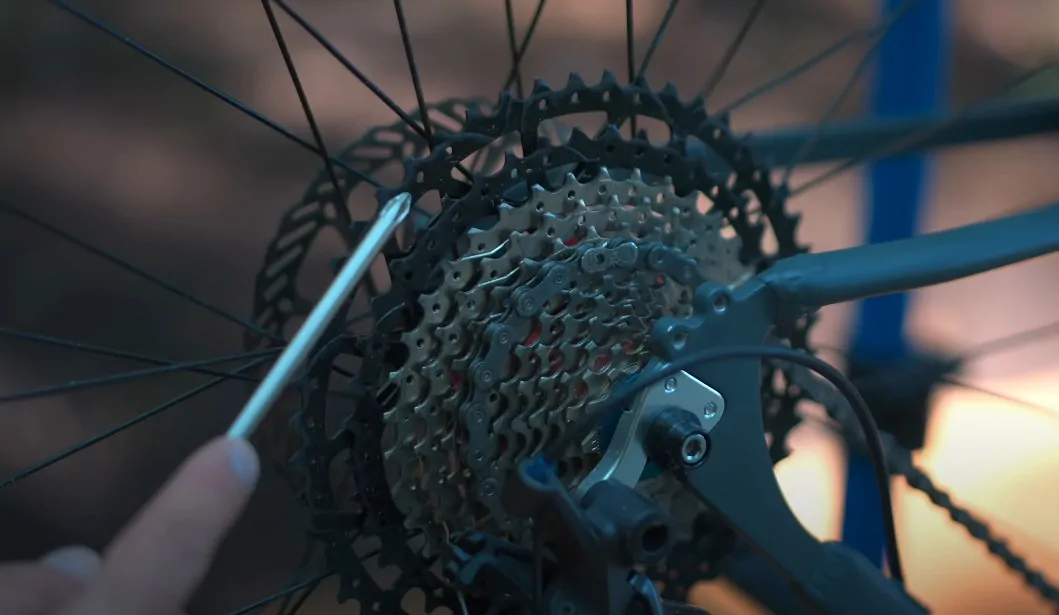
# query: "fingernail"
[[244, 461], [78, 562]]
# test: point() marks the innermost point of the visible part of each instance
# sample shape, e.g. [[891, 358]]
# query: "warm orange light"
[[996, 458]]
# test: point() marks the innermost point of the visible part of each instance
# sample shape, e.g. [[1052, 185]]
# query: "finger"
[[159, 559], [43, 587]]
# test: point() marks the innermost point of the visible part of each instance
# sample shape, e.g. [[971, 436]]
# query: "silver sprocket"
[[427, 440]]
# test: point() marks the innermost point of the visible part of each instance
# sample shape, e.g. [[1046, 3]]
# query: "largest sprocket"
[[396, 456]]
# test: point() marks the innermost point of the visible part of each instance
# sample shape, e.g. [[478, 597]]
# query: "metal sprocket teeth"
[[425, 455]]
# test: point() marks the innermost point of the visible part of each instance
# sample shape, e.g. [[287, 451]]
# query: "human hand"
[[158, 560]]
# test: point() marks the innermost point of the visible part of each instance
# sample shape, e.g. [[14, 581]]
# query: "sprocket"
[[432, 444], [740, 193]]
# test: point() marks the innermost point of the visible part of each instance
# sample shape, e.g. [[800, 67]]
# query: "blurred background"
[[110, 147]]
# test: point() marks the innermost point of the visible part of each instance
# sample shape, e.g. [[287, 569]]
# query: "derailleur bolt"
[[676, 439], [694, 448]]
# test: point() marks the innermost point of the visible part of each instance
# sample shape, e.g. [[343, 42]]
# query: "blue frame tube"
[[911, 78]]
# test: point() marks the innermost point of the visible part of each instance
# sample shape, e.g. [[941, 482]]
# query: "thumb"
[[159, 559]]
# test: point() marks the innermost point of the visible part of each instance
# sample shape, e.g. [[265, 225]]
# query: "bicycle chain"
[[277, 301], [414, 271], [899, 462], [740, 191], [431, 484], [577, 325]]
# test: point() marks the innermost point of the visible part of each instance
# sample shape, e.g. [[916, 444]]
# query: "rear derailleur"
[[586, 556]]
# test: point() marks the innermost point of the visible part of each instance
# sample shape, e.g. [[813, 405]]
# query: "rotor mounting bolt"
[[694, 449], [488, 487], [670, 385], [710, 410], [477, 416]]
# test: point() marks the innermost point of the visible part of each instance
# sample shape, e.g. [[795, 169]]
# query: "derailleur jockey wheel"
[[398, 438]]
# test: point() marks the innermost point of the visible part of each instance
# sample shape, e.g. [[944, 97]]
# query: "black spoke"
[[804, 67], [290, 589], [847, 87], [1010, 341], [733, 48], [660, 34], [113, 431], [352, 68], [299, 575], [360, 76], [202, 85], [139, 358], [308, 584], [963, 384], [630, 57], [509, 13], [409, 54], [915, 139], [80, 385], [302, 599], [14, 210], [511, 75], [340, 200]]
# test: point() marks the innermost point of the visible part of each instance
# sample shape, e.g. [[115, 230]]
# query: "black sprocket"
[[742, 191]]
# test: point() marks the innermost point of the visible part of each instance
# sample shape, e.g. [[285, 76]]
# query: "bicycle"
[[654, 222]]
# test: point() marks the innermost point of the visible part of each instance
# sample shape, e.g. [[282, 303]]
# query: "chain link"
[[899, 461]]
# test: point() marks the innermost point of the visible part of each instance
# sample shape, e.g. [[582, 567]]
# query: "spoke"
[[1010, 341], [113, 431], [202, 85], [12, 209], [409, 54], [1051, 412], [131, 356], [299, 575], [511, 75], [80, 385], [352, 68], [847, 87], [912, 141], [340, 200], [509, 12], [660, 34], [733, 48], [804, 67], [360, 76], [655, 42], [302, 599], [308, 584], [630, 58], [290, 589]]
